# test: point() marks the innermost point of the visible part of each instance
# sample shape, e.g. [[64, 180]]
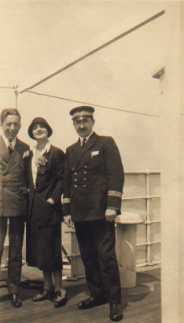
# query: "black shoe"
[[46, 294], [60, 298], [15, 300], [91, 302], [116, 312]]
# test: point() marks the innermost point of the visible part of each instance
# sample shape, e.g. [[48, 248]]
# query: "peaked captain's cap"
[[82, 111]]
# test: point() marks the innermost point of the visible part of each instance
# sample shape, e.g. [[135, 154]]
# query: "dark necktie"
[[10, 147], [83, 142]]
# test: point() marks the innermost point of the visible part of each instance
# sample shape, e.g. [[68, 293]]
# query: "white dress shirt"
[[87, 138], [36, 154]]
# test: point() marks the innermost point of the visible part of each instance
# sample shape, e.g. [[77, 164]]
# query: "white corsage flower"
[[26, 154]]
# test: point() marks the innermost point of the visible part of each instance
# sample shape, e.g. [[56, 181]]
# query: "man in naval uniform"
[[94, 179], [13, 201]]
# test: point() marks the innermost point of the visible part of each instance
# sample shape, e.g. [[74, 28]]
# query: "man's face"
[[83, 126], [11, 126]]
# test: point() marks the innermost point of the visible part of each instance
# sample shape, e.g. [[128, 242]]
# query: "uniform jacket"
[[94, 179], [49, 184], [13, 179]]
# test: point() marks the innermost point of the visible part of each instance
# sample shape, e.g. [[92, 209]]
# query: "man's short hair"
[[6, 112]]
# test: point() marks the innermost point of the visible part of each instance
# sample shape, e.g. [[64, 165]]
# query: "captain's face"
[[83, 126], [11, 126]]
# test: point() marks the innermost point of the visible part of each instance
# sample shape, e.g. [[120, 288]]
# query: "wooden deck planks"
[[143, 307]]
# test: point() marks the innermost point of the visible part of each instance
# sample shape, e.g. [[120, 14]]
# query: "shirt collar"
[[7, 142], [43, 151], [87, 138]]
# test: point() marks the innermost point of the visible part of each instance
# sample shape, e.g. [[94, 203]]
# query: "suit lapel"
[[18, 149], [31, 183], [81, 153], [90, 142], [48, 156], [18, 146], [77, 152]]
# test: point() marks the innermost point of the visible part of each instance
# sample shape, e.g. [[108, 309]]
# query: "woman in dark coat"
[[45, 213]]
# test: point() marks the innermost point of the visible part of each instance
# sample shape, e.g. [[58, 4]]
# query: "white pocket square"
[[95, 153], [26, 154]]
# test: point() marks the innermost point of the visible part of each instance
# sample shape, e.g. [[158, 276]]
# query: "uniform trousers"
[[97, 247], [15, 235]]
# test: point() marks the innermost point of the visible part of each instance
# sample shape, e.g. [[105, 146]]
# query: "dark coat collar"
[[80, 152]]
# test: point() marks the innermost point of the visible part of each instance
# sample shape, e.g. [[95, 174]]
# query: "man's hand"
[[50, 201], [110, 215], [68, 220]]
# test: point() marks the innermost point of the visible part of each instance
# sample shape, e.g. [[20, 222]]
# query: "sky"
[[39, 37]]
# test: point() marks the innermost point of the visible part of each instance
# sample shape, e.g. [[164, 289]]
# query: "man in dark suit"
[[94, 179], [13, 200]]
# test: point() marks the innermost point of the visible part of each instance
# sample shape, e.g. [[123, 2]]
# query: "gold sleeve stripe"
[[114, 194], [66, 200]]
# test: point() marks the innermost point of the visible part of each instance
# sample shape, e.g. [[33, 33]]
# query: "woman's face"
[[40, 132]]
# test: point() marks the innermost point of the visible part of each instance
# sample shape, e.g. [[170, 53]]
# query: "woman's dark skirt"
[[43, 245]]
